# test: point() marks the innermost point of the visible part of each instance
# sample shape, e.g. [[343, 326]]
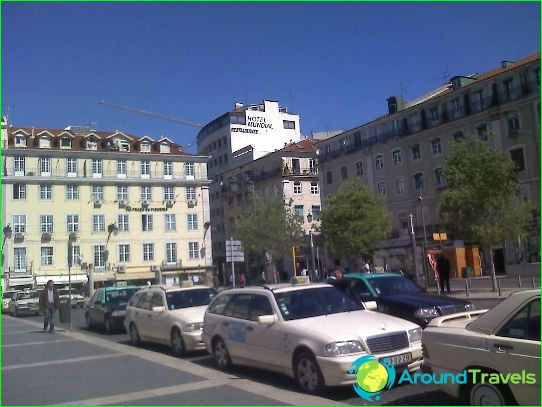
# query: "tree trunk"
[[488, 255]]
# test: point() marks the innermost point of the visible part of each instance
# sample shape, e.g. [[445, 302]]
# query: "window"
[[171, 223], [436, 147], [65, 142], [45, 142], [192, 220], [146, 193], [123, 223], [359, 167], [439, 177], [47, 256], [97, 168], [164, 148], [92, 144], [72, 223], [315, 212], [329, 177], [99, 256], [288, 124], [477, 101], [97, 192], [19, 223], [148, 251], [19, 191], [525, 324], [458, 135], [397, 157], [98, 223], [124, 253], [381, 187], [416, 153], [517, 156], [512, 120], [146, 222], [189, 169], [122, 193], [190, 193], [18, 166], [298, 211], [169, 193], [168, 169], [433, 112], [399, 186], [509, 91], [46, 192], [171, 253], [145, 147], [145, 169], [455, 107], [76, 255], [297, 187], [20, 140], [193, 250], [313, 166], [481, 131], [46, 223], [45, 166], [344, 173], [379, 161], [19, 259], [71, 167], [315, 190], [121, 168], [418, 181]]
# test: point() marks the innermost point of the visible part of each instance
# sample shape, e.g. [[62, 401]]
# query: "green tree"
[[270, 227], [482, 200], [354, 221]]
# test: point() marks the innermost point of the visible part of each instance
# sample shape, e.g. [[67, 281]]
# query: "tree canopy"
[[354, 221]]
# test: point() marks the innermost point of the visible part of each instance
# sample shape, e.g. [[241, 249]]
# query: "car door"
[[98, 308], [142, 315], [91, 305], [515, 347], [234, 324], [157, 321]]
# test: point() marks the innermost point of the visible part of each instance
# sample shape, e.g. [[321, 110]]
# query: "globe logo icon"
[[372, 376]]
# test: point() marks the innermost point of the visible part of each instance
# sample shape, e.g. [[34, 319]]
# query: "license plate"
[[396, 360]]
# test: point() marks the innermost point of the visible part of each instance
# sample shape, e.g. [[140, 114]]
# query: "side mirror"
[[266, 319], [158, 309], [370, 305]]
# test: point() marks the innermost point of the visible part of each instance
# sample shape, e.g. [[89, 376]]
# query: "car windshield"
[[7, 295], [393, 285], [313, 302], [27, 295], [189, 298], [119, 296]]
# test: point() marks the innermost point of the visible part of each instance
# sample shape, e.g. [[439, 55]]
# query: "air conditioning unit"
[[30, 173], [145, 202], [18, 235], [123, 202], [192, 202], [98, 201], [155, 268], [46, 235], [121, 269], [169, 202], [84, 265]]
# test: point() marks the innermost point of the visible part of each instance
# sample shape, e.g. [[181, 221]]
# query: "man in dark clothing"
[[337, 279], [443, 268], [49, 302]]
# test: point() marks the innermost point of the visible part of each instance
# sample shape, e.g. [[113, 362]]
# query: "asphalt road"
[[399, 395]]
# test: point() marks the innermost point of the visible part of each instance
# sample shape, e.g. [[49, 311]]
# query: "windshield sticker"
[[284, 309], [237, 332]]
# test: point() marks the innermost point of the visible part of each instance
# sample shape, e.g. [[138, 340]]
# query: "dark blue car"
[[107, 307]]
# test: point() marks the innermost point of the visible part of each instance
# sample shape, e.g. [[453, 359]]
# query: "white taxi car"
[[6, 299], [503, 342], [168, 315], [24, 303], [310, 332]]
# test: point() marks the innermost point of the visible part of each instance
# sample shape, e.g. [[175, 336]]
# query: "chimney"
[[507, 64], [238, 105], [396, 104]]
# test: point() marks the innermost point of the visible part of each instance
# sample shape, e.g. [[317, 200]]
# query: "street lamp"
[[7, 233], [309, 219], [424, 243]]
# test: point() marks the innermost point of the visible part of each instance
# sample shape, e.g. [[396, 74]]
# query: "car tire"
[[486, 394], [307, 373], [135, 339], [221, 354], [108, 325], [177, 342]]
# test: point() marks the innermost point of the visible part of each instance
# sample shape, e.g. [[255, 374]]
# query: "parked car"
[[77, 300], [504, 340], [169, 315], [24, 303], [107, 307], [397, 295], [6, 298], [310, 332]]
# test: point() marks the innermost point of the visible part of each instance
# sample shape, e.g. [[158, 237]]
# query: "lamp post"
[[309, 219], [424, 261], [7, 231], [413, 241]]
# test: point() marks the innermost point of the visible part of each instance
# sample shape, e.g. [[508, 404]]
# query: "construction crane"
[[155, 115]]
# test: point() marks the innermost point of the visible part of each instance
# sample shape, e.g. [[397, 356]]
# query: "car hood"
[[355, 324], [28, 301], [189, 315], [423, 300]]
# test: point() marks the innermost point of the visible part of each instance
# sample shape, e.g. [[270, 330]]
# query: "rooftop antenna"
[[445, 74]]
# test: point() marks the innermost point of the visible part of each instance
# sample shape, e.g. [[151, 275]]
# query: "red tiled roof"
[[305, 145], [519, 62]]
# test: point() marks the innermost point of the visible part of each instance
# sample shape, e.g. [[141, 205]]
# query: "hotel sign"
[[144, 209]]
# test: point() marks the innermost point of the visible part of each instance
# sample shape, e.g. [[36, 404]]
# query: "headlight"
[[118, 313], [195, 326], [343, 348], [426, 313], [415, 335], [469, 307]]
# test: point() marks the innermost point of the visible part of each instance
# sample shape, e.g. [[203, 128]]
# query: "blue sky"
[[334, 64]]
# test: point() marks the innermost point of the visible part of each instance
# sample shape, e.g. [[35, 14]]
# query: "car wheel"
[[90, 325], [108, 325], [135, 339], [177, 343], [486, 394], [222, 356], [308, 374]]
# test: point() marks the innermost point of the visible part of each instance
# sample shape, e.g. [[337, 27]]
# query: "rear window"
[[189, 298]]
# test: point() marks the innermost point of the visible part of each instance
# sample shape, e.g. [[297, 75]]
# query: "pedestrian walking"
[[49, 302], [367, 267], [443, 268]]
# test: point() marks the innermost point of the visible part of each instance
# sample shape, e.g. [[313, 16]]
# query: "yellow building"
[[128, 207]]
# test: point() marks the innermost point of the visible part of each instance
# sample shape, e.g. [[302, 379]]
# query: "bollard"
[[468, 282], [532, 282], [467, 287], [519, 281], [499, 286]]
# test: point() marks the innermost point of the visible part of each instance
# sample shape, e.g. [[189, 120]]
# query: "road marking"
[[60, 362], [36, 343], [16, 332]]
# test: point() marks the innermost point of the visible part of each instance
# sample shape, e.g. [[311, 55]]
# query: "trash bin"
[[467, 272], [64, 312]]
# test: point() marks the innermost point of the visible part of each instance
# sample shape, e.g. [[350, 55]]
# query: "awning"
[[21, 281], [61, 279], [146, 275], [103, 276]]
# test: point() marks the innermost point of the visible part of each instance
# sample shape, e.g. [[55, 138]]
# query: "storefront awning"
[[61, 279], [21, 281], [135, 276]]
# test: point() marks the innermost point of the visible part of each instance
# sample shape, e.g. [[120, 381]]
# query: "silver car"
[[24, 303]]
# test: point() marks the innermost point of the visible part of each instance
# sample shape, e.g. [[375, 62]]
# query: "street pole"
[[413, 242], [232, 262], [70, 261], [312, 254], [424, 262]]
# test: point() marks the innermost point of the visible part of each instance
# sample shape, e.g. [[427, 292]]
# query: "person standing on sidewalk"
[[443, 268], [49, 302]]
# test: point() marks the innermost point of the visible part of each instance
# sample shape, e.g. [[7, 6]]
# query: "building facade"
[[402, 155], [236, 138], [128, 208]]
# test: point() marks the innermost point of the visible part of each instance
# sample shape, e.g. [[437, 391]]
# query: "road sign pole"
[[232, 262]]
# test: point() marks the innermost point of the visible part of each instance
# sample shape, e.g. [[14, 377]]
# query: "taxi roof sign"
[[186, 283], [301, 280]]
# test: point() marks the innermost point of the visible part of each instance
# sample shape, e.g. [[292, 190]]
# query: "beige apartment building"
[[130, 208], [401, 155]]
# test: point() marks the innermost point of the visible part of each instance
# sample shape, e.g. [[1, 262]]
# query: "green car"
[[107, 307]]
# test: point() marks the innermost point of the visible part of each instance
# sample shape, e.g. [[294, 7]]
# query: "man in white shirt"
[[49, 302]]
